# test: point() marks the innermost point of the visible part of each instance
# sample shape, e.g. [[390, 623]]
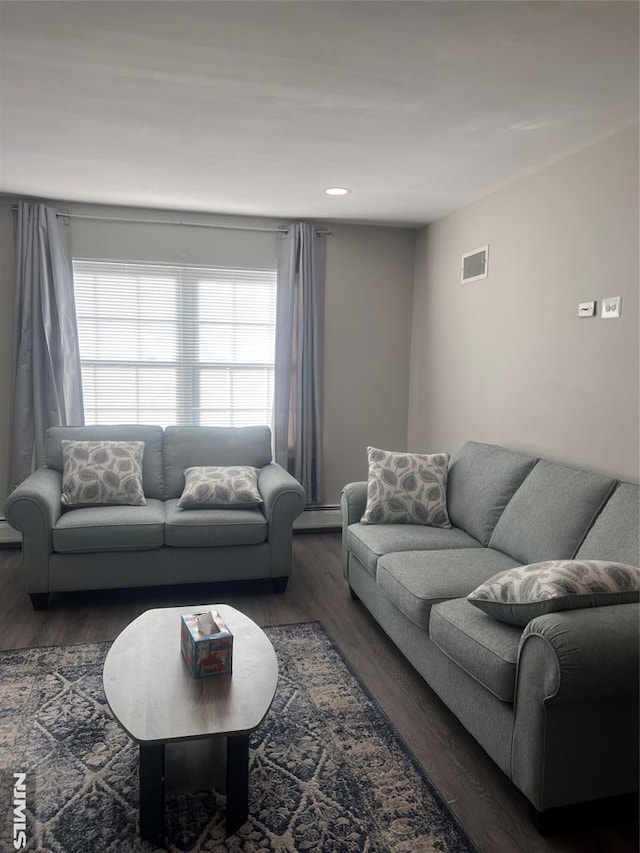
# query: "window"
[[163, 344]]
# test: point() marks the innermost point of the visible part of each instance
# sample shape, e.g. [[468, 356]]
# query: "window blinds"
[[165, 344]]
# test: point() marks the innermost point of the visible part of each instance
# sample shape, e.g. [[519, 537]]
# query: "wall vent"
[[475, 265]]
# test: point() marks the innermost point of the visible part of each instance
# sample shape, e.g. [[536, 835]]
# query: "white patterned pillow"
[[519, 595], [212, 486], [407, 488], [101, 473]]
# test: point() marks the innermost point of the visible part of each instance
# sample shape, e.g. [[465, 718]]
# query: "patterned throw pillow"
[[217, 486], [519, 595], [98, 473], [407, 488]]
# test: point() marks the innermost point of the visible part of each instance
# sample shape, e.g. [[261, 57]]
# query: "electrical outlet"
[[586, 309], [611, 308]]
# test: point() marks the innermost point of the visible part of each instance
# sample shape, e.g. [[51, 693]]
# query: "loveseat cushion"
[[482, 480], [189, 447], [370, 541], [152, 436], [110, 528], [615, 534], [416, 580], [485, 649], [217, 486], [550, 514], [102, 473], [199, 528]]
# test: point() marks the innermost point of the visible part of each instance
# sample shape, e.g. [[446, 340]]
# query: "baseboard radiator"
[[315, 518]]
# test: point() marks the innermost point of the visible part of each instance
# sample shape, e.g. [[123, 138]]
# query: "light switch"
[[611, 307], [586, 309]]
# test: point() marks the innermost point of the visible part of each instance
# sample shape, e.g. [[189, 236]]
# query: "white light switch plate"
[[611, 307], [586, 309]]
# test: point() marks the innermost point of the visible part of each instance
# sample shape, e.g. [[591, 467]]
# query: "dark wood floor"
[[487, 805]]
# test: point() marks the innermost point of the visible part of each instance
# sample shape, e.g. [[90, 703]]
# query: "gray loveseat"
[[101, 547], [555, 705]]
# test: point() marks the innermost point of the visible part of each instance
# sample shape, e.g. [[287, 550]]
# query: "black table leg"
[[237, 782], [152, 793]]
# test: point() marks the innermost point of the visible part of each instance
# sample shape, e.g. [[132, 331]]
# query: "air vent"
[[475, 265]]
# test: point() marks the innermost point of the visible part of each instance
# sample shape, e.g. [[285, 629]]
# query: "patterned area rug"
[[328, 772]]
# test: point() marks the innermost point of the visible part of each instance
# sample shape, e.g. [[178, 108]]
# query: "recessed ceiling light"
[[337, 191]]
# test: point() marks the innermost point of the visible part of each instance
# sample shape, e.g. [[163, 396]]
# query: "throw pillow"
[[213, 486], [407, 488], [98, 473], [519, 595]]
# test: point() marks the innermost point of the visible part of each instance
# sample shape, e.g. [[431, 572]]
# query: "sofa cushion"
[[188, 447], [220, 486], [102, 473], [485, 649], [152, 436], [519, 595], [482, 480], [549, 515], [416, 580], [110, 528], [370, 541], [406, 488], [198, 528], [615, 534]]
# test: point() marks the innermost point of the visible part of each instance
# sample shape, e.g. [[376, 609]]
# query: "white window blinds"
[[164, 344]]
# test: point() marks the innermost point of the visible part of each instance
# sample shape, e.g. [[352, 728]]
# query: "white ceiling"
[[254, 107]]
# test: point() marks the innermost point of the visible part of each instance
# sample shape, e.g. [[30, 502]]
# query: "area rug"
[[328, 772]]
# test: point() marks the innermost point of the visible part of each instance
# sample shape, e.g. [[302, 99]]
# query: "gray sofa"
[[555, 705], [103, 547]]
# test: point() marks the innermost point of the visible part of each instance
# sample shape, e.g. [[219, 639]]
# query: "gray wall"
[[367, 347], [506, 359], [369, 291]]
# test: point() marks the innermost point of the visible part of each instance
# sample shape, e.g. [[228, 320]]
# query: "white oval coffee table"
[[157, 701]]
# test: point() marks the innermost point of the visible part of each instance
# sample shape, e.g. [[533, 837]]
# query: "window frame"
[[187, 324]]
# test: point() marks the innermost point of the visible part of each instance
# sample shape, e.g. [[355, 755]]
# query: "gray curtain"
[[45, 361], [298, 388]]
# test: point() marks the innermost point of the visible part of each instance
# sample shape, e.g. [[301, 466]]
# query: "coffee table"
[[155, 699]]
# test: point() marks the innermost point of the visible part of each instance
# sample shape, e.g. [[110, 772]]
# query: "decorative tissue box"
[[206, 643]]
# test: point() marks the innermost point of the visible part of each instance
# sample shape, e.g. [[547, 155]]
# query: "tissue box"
[[206, 643]]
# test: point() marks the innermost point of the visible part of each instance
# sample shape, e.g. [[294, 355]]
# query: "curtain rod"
[[319, 231]]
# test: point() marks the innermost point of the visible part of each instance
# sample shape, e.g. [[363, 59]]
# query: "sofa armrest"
[[591, 654], [575, 732], [284, 499], [33, 508], [353, 500]]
